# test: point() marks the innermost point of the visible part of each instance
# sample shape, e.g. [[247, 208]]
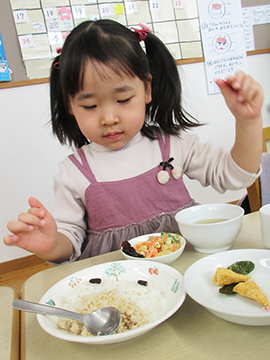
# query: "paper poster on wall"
[[4, 69], [254, 16], [223, 39], [248, 29], [42, 26]]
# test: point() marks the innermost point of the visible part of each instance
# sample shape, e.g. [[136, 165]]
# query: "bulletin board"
[[175, 22], [262, 30]]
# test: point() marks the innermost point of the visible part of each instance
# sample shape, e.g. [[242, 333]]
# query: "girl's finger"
[[243, 84], [240, 76], [250, 91], [40, 213], [250, 94], [35, 204], [11, 239], [30, 219], [16, 227], [233, 83], [246, 83]]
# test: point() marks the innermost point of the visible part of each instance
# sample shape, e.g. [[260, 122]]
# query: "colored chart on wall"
[[43, 25], [4, 69]]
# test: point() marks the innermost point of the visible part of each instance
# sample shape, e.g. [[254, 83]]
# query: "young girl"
[[120, 106]]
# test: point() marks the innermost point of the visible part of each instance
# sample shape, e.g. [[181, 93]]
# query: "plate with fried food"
[[233, 285]]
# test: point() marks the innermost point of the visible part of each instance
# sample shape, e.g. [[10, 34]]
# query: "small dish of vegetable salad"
[[161, 247]]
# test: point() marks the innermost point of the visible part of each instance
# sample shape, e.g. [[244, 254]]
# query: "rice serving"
[[136, 303]]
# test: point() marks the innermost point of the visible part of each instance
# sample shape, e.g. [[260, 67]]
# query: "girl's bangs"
[[117, 50]]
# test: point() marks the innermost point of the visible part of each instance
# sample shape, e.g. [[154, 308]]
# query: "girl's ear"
[[70, 109], [148, 89]]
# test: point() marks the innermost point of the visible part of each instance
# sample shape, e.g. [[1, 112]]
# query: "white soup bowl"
[[210, 228]]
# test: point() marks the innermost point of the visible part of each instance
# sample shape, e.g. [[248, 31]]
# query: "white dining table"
[[192, 333], [9, 325]]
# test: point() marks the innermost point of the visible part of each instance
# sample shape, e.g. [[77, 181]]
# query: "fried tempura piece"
[[225, 276], [252, 291]]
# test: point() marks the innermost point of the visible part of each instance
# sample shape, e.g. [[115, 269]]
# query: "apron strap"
[[83, 166]]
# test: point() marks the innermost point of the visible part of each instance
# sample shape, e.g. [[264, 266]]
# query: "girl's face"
[[110, 109]]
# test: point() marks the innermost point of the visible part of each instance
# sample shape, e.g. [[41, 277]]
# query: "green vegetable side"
[[242, 267], [239, 267]]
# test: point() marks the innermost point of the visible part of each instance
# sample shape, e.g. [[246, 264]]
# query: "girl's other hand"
[[243, 95], [34, 231]]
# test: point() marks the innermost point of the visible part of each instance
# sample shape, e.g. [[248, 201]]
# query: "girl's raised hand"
[[243, 95], [34, 231]]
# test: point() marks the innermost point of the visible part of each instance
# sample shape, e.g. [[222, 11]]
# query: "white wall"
[[30, 153], [211, 109]]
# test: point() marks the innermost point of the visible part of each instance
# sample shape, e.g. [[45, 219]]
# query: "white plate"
[[168, 280], [198, 280]]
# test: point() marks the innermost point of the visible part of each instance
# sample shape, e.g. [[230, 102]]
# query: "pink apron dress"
[[120, 210]]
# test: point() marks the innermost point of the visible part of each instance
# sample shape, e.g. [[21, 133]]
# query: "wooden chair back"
[[254, 191], [266, 137]]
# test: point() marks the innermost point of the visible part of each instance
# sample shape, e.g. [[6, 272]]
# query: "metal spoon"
[[101, 322]]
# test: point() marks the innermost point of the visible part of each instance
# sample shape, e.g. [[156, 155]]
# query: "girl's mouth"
[[113, 136]]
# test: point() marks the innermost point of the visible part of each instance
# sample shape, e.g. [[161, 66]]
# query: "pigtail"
[[61, 119], [55, 93], [165, 108]]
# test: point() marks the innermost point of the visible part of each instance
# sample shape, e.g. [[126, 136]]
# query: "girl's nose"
[[109, 119]]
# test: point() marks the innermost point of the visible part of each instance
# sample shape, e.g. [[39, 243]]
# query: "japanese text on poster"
[[223, 39]]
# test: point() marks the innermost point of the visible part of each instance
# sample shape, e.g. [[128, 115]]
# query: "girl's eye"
[[89, 107], [124, 101]]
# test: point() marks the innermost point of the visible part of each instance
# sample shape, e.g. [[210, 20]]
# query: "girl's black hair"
[[114, 45]]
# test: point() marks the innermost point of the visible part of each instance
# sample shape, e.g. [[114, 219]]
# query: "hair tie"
[[142, 32], [56, 65]]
